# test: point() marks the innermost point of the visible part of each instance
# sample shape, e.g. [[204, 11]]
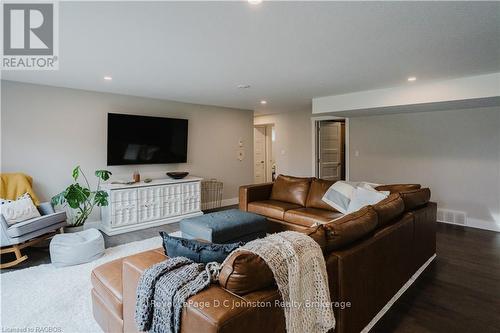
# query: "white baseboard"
[[478, 224], [481, 224], [398, 294], [223, 203], [229, 202]]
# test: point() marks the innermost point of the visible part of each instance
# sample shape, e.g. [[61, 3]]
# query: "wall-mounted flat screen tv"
[[146, 140]]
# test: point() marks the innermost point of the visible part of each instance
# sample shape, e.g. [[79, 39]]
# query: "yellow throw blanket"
[[13, 185]]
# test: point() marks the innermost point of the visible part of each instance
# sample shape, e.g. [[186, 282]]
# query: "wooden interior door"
[[259, 134], [330, 150]]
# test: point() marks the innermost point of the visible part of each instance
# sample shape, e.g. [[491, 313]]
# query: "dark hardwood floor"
[[458, 292]]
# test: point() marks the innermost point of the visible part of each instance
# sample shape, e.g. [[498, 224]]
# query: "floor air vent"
[[451, 216]]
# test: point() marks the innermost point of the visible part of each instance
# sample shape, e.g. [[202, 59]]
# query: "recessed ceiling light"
[[412, 78], [254, 2], [108, 78], [263, 102], [243, 86]]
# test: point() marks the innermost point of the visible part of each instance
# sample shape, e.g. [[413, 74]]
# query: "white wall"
[[455, 153], [293, 141], [46, 131]]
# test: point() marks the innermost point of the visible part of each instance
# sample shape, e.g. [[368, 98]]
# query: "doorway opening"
[[264, 164], [330, 149]]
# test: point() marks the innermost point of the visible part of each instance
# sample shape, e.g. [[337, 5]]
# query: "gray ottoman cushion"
[[225, 226], [76, 248]]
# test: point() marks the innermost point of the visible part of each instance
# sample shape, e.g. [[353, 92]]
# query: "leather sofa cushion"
[[271, 208], [350, 228], [389, 209], [416, 198], [244, 272], [316, 193], [309, 216], [396, 188], [291, 189]]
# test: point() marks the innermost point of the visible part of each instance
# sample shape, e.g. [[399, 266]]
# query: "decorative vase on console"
[[137, 176]]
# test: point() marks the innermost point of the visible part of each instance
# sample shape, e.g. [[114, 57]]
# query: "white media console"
[[144, 205]]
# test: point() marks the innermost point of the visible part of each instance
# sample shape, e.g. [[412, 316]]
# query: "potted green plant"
[[80, 198]]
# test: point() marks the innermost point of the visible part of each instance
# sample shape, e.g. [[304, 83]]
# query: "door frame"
[[269, 150], [314, 156]]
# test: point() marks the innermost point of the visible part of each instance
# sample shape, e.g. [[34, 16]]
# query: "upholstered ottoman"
[[76, 248], [226, 226]]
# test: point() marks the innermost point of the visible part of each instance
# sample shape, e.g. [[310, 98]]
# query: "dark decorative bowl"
[[177, 175]]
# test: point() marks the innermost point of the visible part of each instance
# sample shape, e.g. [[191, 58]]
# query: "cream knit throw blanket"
[[299, 269]]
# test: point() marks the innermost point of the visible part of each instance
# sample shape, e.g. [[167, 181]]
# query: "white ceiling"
[[289, 52]]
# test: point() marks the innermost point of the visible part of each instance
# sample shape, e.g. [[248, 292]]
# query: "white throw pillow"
[[339, 195], [362, 197], [15, 211], [371, 187]]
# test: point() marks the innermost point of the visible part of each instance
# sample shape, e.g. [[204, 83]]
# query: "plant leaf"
[[76, 172], [103, 174], [58, 199], [101, 198], [76, 195]]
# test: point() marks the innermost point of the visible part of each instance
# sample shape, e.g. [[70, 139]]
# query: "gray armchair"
[[16, 237]]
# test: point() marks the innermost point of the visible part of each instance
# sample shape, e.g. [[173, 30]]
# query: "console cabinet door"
[[124, 215], [128, 195], [191, 197], [191, 205], [170, 191], [172, 200], [123, 207], [150, 203], [172, 206]]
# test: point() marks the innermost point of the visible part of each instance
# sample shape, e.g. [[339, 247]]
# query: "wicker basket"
[[211, 194]]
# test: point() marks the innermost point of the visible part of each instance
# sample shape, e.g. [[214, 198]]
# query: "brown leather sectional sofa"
[[370, 254]]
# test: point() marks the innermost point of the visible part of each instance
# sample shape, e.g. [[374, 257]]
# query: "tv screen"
[[146, 140]]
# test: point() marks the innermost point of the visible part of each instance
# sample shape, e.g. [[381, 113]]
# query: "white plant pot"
[[70, 229]]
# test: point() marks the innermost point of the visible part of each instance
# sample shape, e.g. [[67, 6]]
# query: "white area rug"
[[47, 297]]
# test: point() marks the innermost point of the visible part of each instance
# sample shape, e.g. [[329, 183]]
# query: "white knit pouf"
[[76, 248]]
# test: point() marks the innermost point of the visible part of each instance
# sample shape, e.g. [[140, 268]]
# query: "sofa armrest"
[[5, 240], [45, 208], [255, 192]]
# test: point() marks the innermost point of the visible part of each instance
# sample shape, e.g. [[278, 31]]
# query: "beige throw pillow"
[[15, 211]]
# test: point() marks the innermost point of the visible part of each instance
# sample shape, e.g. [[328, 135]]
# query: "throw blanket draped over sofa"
[[299, 269], [164, 288]]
